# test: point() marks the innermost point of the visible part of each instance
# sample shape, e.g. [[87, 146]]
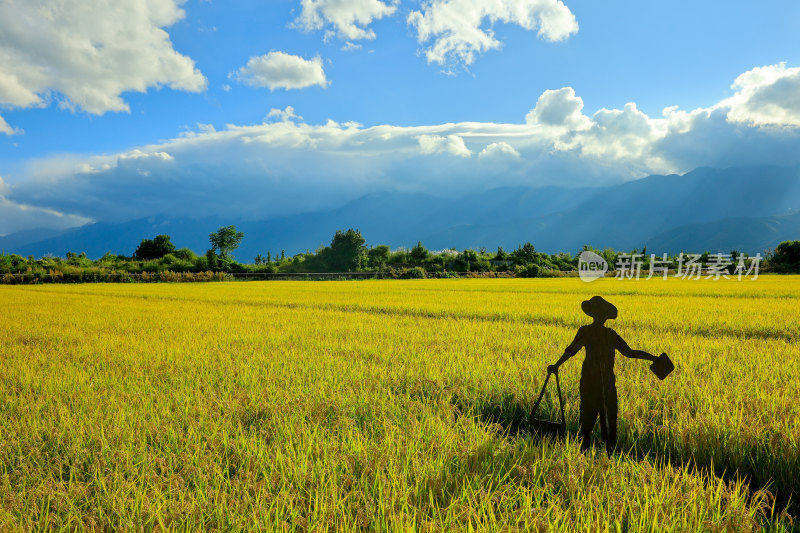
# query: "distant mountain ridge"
[[754, 234], [743, 208]]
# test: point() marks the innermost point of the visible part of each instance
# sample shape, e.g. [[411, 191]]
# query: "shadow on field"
[[768, 464], [514, 417]]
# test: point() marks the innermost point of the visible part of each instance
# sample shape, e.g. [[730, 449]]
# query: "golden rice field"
[[392, 406]]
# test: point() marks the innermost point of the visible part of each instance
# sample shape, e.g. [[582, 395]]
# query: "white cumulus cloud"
[[285, 165], [6, 128], [499, 150], [766, 96], [454, 31], [86, 53], [347, 19], [283, 114], [436, 144], [279, 70], [560, 108], [141, 155]]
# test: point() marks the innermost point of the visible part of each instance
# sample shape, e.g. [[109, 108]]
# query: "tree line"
[[347, 252]]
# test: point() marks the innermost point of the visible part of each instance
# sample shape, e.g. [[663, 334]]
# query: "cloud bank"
[[15, 216], [285, 165]]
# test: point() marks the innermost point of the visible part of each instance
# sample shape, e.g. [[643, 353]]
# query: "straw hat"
[[597, 307]]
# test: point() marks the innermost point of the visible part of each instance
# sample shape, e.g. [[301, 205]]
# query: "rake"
[[547, 427]]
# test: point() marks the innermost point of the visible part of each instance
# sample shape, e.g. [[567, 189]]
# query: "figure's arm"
[[572, 349], [625, 350]]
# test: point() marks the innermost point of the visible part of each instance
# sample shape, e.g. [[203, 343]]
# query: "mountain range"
[[749, 209]]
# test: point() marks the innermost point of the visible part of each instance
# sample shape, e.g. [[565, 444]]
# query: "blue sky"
[[97, 135]]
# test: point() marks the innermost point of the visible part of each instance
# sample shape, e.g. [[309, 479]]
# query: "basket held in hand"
[[662, 366]]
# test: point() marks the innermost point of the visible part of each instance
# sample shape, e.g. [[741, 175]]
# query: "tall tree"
[[347, 251], [226, 239]]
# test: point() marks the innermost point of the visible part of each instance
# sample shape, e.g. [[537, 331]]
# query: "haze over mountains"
[[744, 208]]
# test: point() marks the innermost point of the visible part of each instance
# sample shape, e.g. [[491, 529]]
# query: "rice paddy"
[[392, 406]]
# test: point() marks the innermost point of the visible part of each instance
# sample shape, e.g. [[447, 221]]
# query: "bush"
[[200, 264], [413, 273], [529, 271], [173, 263], [185, 254], [268, 268], [153, 265]]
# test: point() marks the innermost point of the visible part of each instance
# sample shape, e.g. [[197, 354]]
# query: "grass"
[[390, 406]]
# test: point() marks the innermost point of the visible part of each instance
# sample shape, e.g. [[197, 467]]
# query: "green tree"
[[524, 255], [211, 259], [154, 248], [787, 257], [347, 251], [419, 254], [226, 239], [399, 257], [467, 261], [378, 256]]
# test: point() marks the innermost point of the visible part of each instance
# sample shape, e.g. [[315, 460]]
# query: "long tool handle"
[[560, 402], [539, 399]]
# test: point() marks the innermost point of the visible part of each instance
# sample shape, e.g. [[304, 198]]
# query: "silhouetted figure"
[[598, 385]]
